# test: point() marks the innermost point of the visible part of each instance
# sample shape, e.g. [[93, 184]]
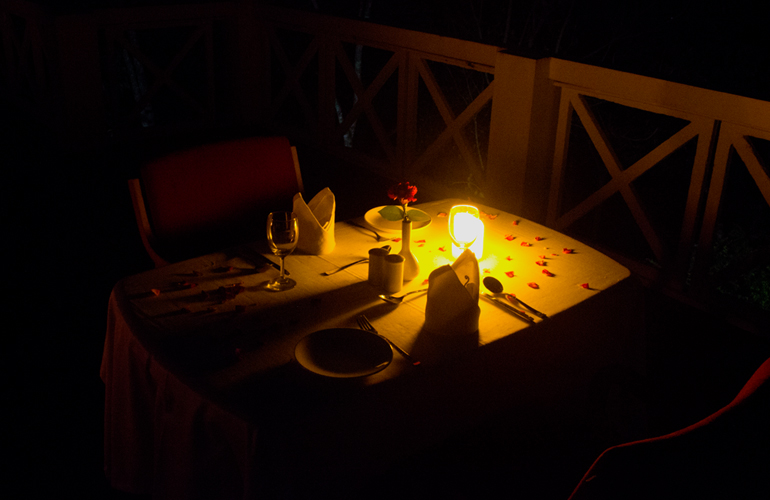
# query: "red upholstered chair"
[[725, 455], [213, 196]]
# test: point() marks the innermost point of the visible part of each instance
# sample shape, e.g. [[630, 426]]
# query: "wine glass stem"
[[282, 270]]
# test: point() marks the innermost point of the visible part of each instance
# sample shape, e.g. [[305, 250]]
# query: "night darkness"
[[69, 223]]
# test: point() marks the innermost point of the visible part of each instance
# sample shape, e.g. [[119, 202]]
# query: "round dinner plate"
[[378, 222], [343, 353]]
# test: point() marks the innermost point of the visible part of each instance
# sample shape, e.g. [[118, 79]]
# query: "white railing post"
[[523, 123]]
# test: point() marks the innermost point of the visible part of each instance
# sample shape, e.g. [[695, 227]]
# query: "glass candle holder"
[[466, 230]]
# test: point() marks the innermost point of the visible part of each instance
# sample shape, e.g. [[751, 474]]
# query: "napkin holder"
[[316, 222]]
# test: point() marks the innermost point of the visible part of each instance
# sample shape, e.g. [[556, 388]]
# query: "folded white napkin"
[[316, 222], [453, 298]]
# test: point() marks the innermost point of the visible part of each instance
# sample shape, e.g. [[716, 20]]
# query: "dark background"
[[70, 233]]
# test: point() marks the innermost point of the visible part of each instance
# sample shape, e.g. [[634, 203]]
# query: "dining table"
[[205, 396]]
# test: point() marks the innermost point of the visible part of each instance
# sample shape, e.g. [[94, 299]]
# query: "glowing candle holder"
[[466, 230]]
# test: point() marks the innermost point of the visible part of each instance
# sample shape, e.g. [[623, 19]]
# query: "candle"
[[466, 229]]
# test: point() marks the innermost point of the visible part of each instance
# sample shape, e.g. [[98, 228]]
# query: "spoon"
[[494, 286], [329, 273], [397, 300]]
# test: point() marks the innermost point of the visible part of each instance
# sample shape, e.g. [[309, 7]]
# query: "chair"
[[214, 196], [725, 455]]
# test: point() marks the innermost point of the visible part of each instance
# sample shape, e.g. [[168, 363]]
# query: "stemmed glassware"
[[464, 227], [282, 234]]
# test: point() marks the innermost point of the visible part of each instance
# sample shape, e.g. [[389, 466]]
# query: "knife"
[[519, 314], [252, 255]]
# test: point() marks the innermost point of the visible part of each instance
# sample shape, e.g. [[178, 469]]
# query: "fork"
[[364, 324]]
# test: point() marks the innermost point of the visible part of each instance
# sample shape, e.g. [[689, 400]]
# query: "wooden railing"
[[632, 165]]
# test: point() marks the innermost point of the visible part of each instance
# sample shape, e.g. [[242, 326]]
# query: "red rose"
[[403, 192]]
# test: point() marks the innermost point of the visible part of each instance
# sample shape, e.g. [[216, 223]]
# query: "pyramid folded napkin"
[[316, 222], [453, 298]]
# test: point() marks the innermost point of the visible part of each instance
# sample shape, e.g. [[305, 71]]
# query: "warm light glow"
[[466, 230]]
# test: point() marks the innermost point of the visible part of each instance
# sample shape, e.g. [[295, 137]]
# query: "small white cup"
[[377, 266], [393, 273]]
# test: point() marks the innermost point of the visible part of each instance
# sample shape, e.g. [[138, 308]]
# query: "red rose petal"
[[538, 238], [515, 223], [509, 274], [441, 214], [155, 291], [509, 237], [585, 285], [541, 263], [547, 273], [396, 240], [487, 271], [533, 285], [509, 258], [419, 241], [443, 249], [525, 244], [425, 281], [568, 250]]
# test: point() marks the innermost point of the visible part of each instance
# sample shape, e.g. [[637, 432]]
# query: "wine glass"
[[282, 233]]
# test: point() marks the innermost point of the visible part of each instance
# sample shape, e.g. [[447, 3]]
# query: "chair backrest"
[[216, 195], [716, 457]]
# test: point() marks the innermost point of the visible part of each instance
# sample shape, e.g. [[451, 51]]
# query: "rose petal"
[[509, 274], [533, 285], [585, 285], [568, 250], [443, 249], [509, 237], [155, 291], [396, 240], [515, 223], [425, 281], [541, 263], [487, 271], [509, 258], [525, 244], [547, 273], [441, 214], [538, 238]]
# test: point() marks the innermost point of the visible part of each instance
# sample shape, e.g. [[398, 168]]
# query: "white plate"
[[378, 222], [343, 353]]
